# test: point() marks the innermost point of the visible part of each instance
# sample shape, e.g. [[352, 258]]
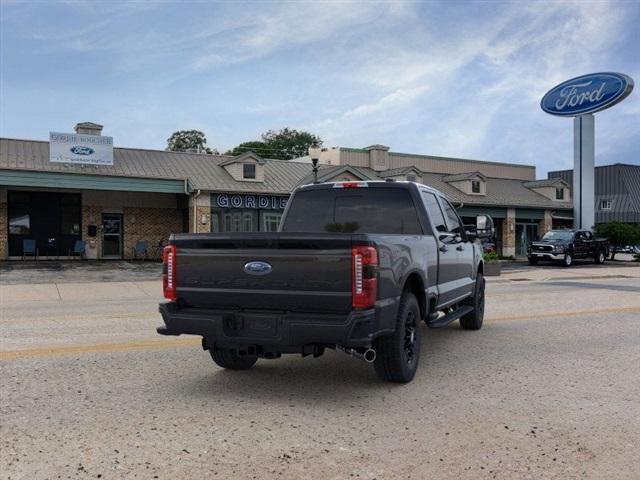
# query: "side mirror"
[[484, 226]]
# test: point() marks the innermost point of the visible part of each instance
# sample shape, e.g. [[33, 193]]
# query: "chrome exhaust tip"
[[369, 355]]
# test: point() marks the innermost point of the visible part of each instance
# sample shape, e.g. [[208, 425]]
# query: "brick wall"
[[545, 224], [91, 215], [150, 224]]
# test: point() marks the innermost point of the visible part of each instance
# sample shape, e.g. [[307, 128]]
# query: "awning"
[[29, 178]]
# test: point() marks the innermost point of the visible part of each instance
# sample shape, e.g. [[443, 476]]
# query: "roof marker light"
[[350, 185]]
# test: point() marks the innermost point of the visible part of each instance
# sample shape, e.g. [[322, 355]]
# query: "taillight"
[[364, 283], [169, 272]]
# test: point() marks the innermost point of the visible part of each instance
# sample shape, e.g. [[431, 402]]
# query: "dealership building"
[[616, 190], [115, 198]]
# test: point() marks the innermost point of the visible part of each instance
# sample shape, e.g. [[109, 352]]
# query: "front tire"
[[398, 354], [568, 260], [532, 260], [473, 319], [231, 360]]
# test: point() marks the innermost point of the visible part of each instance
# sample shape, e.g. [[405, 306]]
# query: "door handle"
[[443, 248], [460, 248]]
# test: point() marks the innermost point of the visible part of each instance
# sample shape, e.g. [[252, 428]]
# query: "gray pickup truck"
[[354, 266]]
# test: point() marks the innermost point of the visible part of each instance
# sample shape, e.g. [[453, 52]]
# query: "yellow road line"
[[98, 348], [191, 341]]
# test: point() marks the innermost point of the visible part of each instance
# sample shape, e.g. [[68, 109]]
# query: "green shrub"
[[490, 257]]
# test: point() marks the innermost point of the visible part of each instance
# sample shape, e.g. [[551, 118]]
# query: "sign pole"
[[583, 171], [579, 98]]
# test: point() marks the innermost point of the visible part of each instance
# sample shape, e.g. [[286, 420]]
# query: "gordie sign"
[[587, 94], [268, 202]]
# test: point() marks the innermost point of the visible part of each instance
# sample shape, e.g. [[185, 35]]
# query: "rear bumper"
[[284, 332]]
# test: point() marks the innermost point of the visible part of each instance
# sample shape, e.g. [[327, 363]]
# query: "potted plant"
[[491, 264]]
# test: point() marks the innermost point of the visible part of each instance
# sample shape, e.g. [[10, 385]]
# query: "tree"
[[289, 144], [619, 234], [257, 147], [284, 144], [188, 141]]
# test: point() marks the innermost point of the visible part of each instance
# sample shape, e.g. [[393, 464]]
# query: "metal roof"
[[392, 172], [547, 182], [463, 176], [205, 172], [201, 170], [499, 191], [619, 184]]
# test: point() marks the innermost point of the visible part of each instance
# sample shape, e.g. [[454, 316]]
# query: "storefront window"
[[270, 220], [19, 220], [19, 217], [52, 219]]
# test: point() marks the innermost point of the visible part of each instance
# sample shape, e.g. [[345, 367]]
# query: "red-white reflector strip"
[[169, 255]]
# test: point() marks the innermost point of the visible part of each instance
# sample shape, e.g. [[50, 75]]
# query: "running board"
[[449, 317]]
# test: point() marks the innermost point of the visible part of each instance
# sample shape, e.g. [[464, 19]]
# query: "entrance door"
[[525, 233], [111, 235]]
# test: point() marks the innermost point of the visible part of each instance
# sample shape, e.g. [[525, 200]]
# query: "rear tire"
[[600, 257], [398, 354], [230, 359], [473, 319]]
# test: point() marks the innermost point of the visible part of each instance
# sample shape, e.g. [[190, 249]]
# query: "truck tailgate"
[[308, 272]]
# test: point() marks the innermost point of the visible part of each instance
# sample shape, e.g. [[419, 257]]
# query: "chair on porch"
[[29, 248], [79, 248], [141, 248], [159, 248]]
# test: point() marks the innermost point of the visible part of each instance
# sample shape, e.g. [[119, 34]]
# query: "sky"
[[450, 78]]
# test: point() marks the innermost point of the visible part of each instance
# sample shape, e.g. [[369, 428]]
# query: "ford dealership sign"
[[587, 94], [80, 149]]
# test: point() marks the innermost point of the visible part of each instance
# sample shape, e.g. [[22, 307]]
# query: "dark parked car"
[[565, 246], [354, 266]]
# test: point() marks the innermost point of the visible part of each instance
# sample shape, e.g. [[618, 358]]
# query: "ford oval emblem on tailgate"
[[257, 268]]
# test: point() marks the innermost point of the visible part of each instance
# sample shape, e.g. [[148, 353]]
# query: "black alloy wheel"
[[398, 354], [473, 319]]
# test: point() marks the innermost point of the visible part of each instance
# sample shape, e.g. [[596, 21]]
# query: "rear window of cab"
[[353, 210]]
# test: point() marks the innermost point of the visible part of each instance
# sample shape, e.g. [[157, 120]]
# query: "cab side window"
[[588, 236], [452, 218], [434, 211]]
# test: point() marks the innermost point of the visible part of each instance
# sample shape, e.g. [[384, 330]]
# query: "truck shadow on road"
[[332, 376]]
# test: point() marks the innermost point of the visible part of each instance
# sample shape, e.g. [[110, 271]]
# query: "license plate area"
[[251, 325]]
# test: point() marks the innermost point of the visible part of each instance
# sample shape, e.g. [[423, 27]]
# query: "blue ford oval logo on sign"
[[587, 94], [257, 268], [79, 150]]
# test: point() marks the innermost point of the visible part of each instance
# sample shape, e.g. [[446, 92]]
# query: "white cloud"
[[484, 80]]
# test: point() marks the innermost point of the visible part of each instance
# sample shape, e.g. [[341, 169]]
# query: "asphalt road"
[[549, 388]]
